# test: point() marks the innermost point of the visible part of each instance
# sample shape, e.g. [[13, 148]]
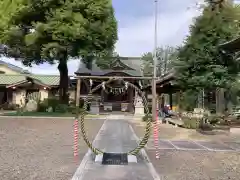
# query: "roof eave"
[[232, 45], [16, 84]]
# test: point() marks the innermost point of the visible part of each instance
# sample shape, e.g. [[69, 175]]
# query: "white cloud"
[[137, 36]]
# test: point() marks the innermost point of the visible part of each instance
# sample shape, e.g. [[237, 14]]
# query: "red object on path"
[[75, 140], [155, 135]]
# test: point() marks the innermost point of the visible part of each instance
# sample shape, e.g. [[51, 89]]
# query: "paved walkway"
[[115, 136]]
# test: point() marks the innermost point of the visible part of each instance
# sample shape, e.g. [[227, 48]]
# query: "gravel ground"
[[40, 149], [196, 165], [170, 132]]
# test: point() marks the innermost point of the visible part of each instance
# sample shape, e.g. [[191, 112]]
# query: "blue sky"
[[136, 28]]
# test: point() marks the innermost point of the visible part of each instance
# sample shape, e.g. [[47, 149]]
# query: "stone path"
[[197, 145], [115, 136]]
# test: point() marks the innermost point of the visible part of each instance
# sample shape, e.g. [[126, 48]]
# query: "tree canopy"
[[55, 30], [201, 63]]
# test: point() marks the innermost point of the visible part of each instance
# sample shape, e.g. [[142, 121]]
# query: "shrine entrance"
[[121, 87], [117, 89], [114, 98]]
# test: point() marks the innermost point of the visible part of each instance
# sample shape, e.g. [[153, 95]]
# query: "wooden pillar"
[[162, 101], [170, 100], [78, 91], [180, 98]]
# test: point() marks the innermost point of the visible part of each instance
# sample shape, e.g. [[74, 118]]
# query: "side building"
[[16, 84]]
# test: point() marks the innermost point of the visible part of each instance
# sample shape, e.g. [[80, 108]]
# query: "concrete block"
[[132, 159], [99, 158]]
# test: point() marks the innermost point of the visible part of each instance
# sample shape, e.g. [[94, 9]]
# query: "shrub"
[[61, 108], [190, 123], [71, 109], [10, 106], [47, 103], [206, 127], [52, 102], [215, 119], [147, 117], [42, 107], [203, 125]]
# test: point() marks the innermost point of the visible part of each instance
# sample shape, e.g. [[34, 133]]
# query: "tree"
[[165, 57], [201, 64], [54, 30]]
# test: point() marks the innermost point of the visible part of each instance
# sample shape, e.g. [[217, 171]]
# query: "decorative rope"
[[142, 143]]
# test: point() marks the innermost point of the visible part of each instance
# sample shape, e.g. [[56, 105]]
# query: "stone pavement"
[[115, 136]]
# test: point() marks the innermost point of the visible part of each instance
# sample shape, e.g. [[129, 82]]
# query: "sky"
[[136, 28]]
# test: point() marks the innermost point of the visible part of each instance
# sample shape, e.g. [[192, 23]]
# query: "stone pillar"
[[201, 99], [139, 107], [78, 92], [130, 99], [220, 100]]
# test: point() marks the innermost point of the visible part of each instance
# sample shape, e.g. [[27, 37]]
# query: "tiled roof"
[[6, 79], [50, 80], [133, 62]]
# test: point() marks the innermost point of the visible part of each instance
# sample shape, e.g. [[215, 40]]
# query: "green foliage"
[[146, 117], [189, 100], [190, 123], [7, 8], [165, 57], [201, 64], [56, 107], [42, 107], [48, 103], [215, 119], [204, 125], [55, 30], [9, 106], [62, 108]]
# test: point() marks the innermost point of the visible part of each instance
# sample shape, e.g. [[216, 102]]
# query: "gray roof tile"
[[133, 62]]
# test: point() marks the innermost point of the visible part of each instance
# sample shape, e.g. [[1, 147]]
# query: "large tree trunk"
[[63, 85]]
